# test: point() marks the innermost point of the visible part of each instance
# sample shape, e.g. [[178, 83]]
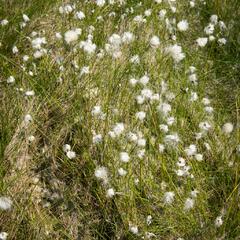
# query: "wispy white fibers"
[[182, 25], [101, 173], [5, 203], [227, 128], [72, 35], [175, 51]]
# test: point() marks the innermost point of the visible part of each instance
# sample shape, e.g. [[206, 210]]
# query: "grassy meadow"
[[119, 119]]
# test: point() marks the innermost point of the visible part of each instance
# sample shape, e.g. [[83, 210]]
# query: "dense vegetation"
[[119, 119]]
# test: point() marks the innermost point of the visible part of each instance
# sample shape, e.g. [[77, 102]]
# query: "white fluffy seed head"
[[191, 150], [144, 79], [25, 58], [38, 42], [71, 154], [101, 173], [182, 25], [189, 203], [227, 128], [3, 235], [199, 157], [194, 193], [29, 93], [132, 137], [15, 50], [162, 14], [161, 148], [140, 115], [133, 229], [88, 46], [204, 126], [218, 221], [168, 197], [5, 203], [118, 128], [163, 128], [222, 41], [97, 138], [27, 119], [214, 19], [170, 121], [100, 3], [4, 22], [127, 37], [164, 108], [135, 59], [194, 97], [110, 193], [171, 139], [115, 40], [155, 41], [133, 81], [201, 42], [31, 138], [122, 172], [149, 219], [124, 157], [193, 78], [181, 162], [26, 18], [66, 147], [175, 51], [11, 79], [72, 35], [141, 142], [206, 101], [148, 12], [80, 15]]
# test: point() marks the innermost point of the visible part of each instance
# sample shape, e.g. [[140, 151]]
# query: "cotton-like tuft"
[[140, 115], [202, 42], [191, 150], [5, 203], [189, 204], [100, 3], [27, 119], [97, 138], [127, 37], [175, 51], [4, 22], [168, 197], [101, 173], [72, 35], [227, 128], [11, 79], [80, 15], [3, 235], [155, 41], [110, 193], [124, 157], [133, 229], [122, 172], [182, 25], [219, 221], [71, 154]]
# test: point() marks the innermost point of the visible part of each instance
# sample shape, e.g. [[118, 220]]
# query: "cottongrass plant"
[[112, 125]]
